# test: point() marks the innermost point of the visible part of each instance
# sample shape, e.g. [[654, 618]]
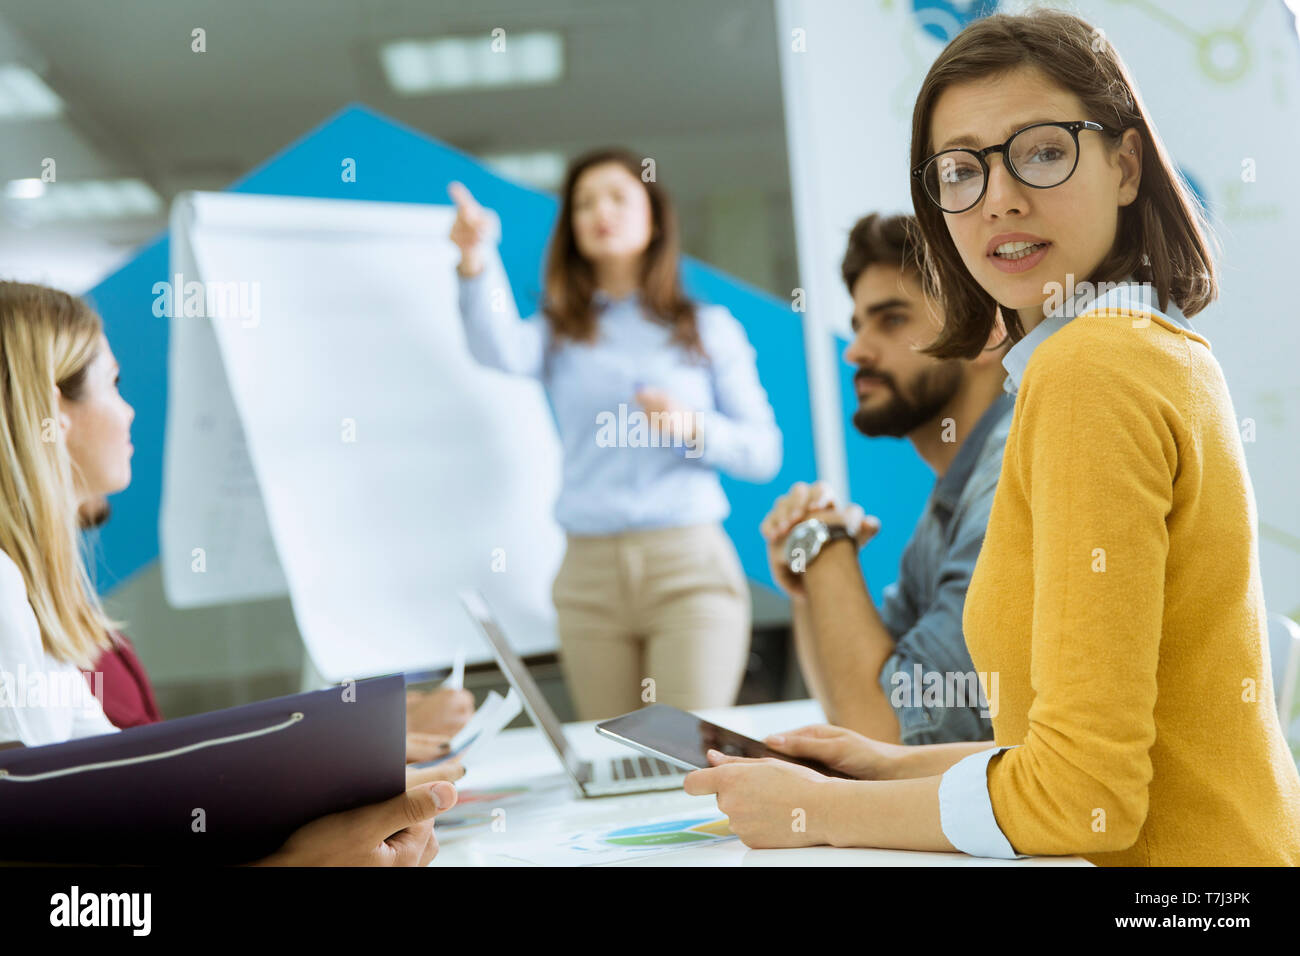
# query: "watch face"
[[804, 542]]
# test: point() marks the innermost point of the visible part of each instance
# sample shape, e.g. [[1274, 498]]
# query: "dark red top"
[[128, 695]]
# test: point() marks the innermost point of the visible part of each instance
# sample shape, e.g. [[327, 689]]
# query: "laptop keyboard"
[[641, 768]]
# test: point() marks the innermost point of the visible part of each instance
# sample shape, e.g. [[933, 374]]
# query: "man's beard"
[[93, 515], [931, 390]]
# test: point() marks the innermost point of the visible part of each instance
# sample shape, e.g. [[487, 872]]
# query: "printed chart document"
[[620, 843], [329, 435]]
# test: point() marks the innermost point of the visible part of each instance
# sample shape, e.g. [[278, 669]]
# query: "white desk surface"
[[522, 756]]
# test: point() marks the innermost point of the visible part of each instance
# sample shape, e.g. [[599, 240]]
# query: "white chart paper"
[[337, 442]]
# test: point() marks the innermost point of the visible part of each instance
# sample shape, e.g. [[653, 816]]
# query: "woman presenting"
[[653, 395]]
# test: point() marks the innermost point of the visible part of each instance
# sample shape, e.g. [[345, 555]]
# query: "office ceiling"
[[694, 84]]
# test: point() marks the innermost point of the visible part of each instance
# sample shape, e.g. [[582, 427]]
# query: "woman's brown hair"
[[1163, 236], [570, 280]]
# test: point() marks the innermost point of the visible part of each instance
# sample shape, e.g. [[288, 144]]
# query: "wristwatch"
[[806, 540]]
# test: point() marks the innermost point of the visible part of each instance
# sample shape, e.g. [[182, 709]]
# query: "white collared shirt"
[[1136, 296], [42, 700]]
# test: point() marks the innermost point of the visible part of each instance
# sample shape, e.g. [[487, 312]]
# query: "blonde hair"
[[47, 338]]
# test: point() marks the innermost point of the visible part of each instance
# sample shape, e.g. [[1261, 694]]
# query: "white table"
[[552, 807]]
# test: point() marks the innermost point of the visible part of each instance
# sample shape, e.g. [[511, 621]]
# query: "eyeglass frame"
[[1073, 128]]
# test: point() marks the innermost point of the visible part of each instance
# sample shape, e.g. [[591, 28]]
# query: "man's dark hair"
[[887, 240], [94, 515]]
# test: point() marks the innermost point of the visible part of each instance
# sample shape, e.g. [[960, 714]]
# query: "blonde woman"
[[64, 445], [1117, 595]]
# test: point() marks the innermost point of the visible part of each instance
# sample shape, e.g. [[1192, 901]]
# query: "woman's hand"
[[768, 802], [842, 750], [469, 230], [676, 421], [442, 712], [397, 832]]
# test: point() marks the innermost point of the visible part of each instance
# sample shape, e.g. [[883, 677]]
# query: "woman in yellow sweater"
[[1117, 596]]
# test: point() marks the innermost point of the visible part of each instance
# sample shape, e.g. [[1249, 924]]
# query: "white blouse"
[[42, 700]]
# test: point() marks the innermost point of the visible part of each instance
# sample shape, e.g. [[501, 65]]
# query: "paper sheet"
[[488, 721], [339, 442], [476, 808], [456, 679], [621, 842], [215, 541]]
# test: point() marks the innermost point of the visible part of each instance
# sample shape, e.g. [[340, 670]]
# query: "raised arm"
[[494, 332]]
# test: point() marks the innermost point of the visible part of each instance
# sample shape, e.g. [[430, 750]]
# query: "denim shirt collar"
[[1130, 295], [948, 489]]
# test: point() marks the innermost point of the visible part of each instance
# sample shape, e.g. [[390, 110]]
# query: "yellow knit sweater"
[[1118, 598]]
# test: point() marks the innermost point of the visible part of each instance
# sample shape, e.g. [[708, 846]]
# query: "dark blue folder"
[[223, 787]]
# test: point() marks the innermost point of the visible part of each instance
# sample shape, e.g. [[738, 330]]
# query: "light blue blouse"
[[618, 476]]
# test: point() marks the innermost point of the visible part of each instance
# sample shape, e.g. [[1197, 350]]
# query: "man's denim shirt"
[[929, 679]]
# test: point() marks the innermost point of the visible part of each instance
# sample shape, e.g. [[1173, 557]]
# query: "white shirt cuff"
[[966, 812]]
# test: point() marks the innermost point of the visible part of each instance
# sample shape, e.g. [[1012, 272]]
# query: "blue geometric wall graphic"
[[944, 19], [397, 164]]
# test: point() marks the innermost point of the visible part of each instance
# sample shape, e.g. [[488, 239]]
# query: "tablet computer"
[[684, 740]]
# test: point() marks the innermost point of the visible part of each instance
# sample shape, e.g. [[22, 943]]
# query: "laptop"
[[613, 776]]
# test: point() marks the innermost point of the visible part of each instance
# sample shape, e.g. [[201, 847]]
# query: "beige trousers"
[[658, 616]]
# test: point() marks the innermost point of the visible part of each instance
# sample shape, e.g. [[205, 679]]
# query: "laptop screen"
[[538, 709]]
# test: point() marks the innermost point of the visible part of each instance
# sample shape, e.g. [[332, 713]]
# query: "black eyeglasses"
[[1041, 156]]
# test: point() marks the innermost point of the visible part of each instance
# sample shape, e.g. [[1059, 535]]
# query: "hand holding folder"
[[225, 787]]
